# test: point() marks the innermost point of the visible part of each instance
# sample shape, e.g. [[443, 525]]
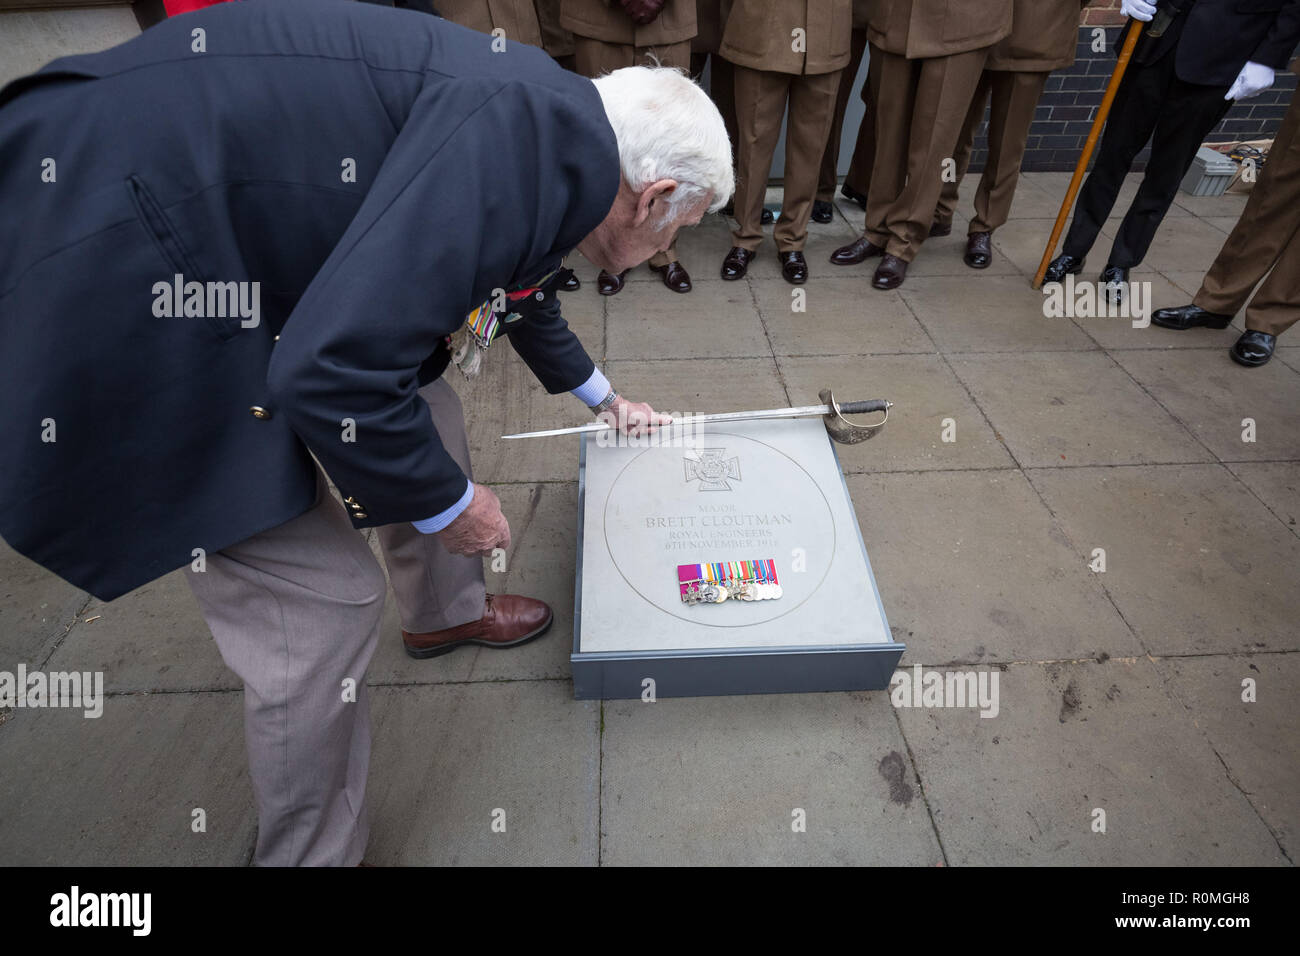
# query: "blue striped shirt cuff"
[[444, 518], [593, 391]]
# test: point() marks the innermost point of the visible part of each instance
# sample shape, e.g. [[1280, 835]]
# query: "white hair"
[[668, 128]]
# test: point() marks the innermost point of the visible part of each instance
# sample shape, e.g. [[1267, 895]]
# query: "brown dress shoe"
[[940, 229], [856, 251], [794, 268], [610, 284], [508, 621], [674, 276], [979, 250], [890, 273], [737, 263]]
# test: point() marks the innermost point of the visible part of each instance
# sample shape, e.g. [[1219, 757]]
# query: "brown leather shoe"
[[940, 229], [508, 621], [856, 251], [610, 284], [890, 273], [979, 250], [737, 263], [674, 275], [794, 268]]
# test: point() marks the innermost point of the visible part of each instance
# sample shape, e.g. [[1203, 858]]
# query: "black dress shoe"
[[570, 282], [940, 229], [856, 251], [979, 250], [610, 284], [767, 217], [1189, 317], [890, 273], [852, 195], [737, 263], [1253, 348], [794, 269], [822, 211], [1114, 282], [1062, 266], [674, 276]]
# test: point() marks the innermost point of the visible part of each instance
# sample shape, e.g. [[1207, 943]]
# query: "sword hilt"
[[858, 408]]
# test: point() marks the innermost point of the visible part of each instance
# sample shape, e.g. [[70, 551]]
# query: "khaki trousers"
[[295, 612], [920, 108], [761, 98], [829, 174], [1266, 237]]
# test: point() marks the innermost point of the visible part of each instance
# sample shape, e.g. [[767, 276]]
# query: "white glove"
[[1142, 10], [1253, 78]]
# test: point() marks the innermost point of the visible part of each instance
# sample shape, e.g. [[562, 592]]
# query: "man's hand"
[[1252, 80], [633, 418], [1142, 10], [479, 528], [642, 11]]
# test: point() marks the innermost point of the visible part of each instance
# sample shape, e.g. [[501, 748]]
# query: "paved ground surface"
[[1119, 691]]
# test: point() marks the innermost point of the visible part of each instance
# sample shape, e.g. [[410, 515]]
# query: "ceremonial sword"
[[840, 428]]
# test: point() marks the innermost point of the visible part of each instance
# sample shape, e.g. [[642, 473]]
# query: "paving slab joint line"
[[600, 787], [925, 797]]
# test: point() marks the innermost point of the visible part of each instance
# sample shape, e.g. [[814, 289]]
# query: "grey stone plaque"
[[745, 491]]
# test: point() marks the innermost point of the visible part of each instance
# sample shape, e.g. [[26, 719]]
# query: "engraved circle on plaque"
[[723, 498]]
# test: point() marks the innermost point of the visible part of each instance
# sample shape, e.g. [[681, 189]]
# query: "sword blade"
[[764, 413]]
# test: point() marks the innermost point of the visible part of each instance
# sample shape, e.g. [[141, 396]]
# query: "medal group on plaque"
[[723, 580]]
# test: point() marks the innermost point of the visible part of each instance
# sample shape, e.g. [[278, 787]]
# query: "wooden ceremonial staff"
[[1125, 54]]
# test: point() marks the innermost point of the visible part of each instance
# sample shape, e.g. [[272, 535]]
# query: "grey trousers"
[[295, 612]]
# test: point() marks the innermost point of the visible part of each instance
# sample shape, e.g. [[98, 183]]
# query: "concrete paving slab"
[[153, 639], [838, 317], [1118, 332], [1022, 241], [817, 253], [120, 789], [716, 318], [1069, 739], [719, 781], [971, 567], [701, 386], [700, 249], [1256, 739], [540, 564], [1194, 562], [1046, 407], [31, 38], [1277, 484], [925, 394], [1213, 396], [1288, 355], [449, 761], [1184, 245], [942, 256], [1228, 204], [36, 609], [993, 314]]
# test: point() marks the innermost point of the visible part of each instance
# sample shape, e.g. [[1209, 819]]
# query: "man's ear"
[[651, 197]]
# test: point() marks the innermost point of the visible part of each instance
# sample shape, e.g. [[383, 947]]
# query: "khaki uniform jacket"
[[862, 13], [516, 17], [556, 40], [759, 35], [929, 28], [607, 20], [710, 18], [1044, 34]]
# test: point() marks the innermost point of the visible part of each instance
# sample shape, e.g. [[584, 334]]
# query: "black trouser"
[[1151, 103]]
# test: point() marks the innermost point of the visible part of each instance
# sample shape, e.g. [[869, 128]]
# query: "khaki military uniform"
[[556, 40], [517, 18], [606, 39], [771, 70], [927, 57], [710, 18], [831, 157], [1044, 34]]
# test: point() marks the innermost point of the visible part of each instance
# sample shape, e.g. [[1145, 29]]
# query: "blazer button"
[[359, 514], [260, 412]]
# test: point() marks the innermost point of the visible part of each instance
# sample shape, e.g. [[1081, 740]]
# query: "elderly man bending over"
[[252, 240]]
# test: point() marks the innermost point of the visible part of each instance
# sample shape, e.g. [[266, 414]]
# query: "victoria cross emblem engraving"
[[712, 470]]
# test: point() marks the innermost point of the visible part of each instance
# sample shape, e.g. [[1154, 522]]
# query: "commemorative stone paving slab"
[[540, 564], [722, 780], [1049, 409], [1214, 396], [971, 567], [993, 314], [486, 773], [1277, 484], [929, 401], [152, 639], [36, 609], [716, 318], [1194, 561], [122, 789], [1256, 739], [1071, 739], [836, 316]]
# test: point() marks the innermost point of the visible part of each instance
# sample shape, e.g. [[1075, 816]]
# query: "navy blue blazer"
[[378, 172]]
